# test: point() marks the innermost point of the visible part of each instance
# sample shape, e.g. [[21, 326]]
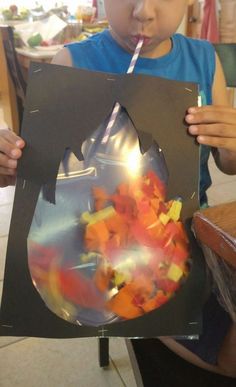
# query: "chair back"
[[12, 61], [227, 56], [14, 69], [8, 93]]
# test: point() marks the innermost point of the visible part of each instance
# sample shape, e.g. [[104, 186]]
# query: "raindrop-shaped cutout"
[[111, 248]]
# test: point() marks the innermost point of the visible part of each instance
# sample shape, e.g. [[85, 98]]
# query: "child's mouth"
[[135, 39]]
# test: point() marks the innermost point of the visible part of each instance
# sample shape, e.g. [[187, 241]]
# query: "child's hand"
[[213, 125], [11, 147], [216, 126]]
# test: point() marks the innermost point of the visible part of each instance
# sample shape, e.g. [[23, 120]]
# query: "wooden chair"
[[215, 228], [12, 83]]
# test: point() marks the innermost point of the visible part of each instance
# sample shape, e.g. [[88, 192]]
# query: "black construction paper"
[[63, 107]]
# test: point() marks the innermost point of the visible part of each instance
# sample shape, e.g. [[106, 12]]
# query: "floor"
[[33, 362]]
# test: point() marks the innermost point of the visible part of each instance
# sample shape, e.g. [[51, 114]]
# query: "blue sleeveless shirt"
[[189, 60]]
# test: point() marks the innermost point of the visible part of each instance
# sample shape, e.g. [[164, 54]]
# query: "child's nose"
[[143, 10]]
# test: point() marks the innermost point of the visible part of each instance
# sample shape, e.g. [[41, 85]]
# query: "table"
[[26, 55]]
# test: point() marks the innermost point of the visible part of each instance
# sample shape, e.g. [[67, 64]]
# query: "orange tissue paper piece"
[[129, 300], [125, 206], [123, 189], [116, 225], [155, 302], [96, 235], [100, 198], [122, 305], [148, 217], [102, 277]]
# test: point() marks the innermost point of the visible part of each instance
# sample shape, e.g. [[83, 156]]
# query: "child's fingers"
[[6, 161], [215, 135], [215, 130], [10, 144], [10, 136], [7, 165], [208, 108], [7, 171], [211, 114], [218, 142]]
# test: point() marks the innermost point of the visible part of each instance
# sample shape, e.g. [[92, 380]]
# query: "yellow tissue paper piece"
[[105, 213], [164, 218], [119, 279], [174, 273], [175, 210]]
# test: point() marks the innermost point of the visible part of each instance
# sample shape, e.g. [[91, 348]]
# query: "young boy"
[[172, 56]]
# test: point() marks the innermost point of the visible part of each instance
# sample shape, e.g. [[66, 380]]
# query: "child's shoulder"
[[92, 52], [90, 41], [197, 49], [193, 42]]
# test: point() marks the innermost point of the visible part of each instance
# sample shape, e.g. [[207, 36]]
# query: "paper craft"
[[105, 248]]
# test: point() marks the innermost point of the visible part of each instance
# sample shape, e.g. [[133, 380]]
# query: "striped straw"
[[117, 106], [135, 56]]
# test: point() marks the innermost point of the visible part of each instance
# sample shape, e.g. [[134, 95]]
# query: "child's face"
[[155, 20]]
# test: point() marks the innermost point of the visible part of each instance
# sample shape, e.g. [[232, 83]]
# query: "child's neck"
[[162, 49]]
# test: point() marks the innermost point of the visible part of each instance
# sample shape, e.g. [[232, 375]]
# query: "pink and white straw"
[[117, 106], [135, 56]]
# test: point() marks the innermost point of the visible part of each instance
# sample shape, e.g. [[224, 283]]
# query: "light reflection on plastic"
[[133, 162]]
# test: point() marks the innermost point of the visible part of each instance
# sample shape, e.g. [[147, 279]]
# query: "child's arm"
[[63, 58], [216, 125]]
